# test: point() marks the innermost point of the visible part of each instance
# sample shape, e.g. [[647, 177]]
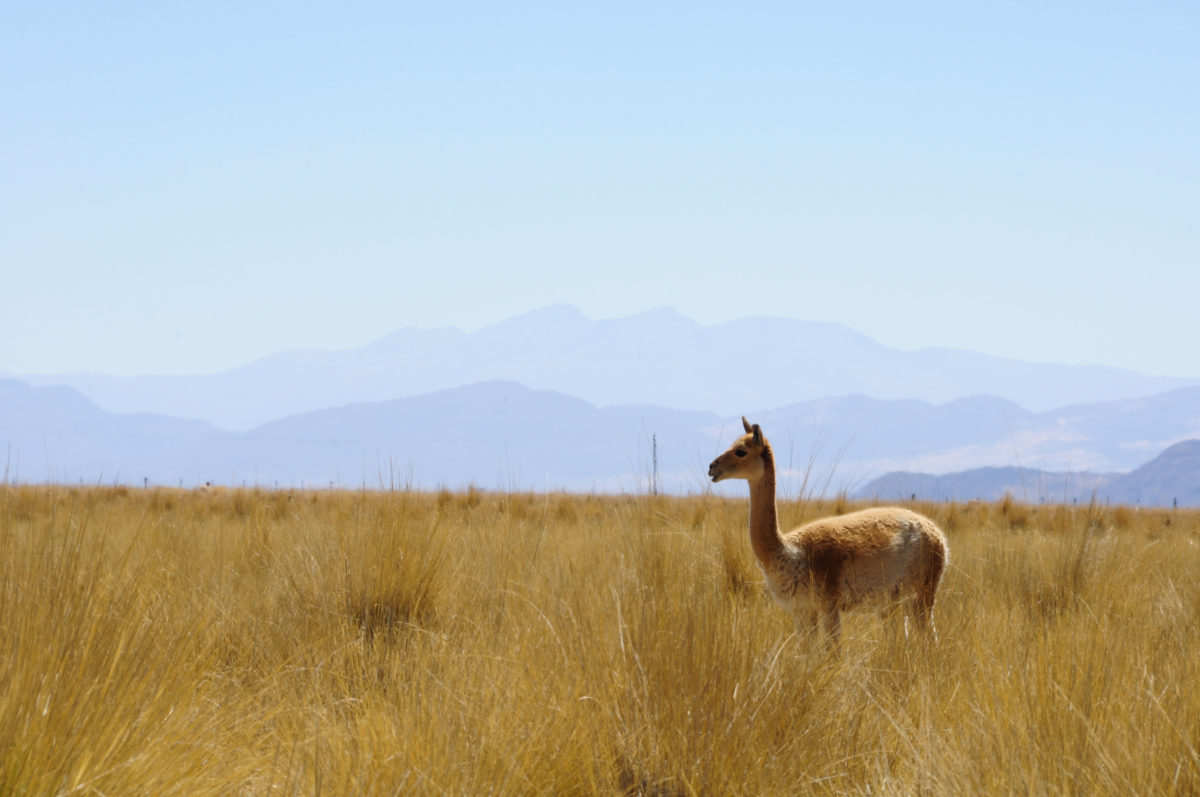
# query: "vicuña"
[[884, 554]]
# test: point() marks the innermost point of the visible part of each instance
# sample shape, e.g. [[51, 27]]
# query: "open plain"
[[261, 642]]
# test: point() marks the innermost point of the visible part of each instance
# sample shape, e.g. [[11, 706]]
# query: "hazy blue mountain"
[[56, 434], [868, 437], [503, 435], [496, 435], [655, 358], [1174, 475], [1171, 477], [493, 434], [987, 484]]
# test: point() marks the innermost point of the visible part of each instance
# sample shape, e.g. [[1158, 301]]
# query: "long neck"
[[764, 522]]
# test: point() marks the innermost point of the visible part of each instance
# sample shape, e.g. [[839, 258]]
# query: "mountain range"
[[1172, 478], [502, 434], [657, 358]]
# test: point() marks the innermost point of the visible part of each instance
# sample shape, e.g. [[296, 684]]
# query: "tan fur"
[[881, 555]]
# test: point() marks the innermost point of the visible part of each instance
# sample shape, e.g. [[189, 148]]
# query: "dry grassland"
[[166, 642]]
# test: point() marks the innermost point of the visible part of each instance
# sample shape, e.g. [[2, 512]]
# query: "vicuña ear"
[[745, 424], [757, 434]]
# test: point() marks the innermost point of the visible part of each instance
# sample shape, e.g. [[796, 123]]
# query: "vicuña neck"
[[764, 522]]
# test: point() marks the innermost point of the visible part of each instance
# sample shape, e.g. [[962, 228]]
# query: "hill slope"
[[1171, 477], [56, 434], [1174, 475]]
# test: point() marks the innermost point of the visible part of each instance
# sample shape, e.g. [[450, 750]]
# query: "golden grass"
[[250, 642]]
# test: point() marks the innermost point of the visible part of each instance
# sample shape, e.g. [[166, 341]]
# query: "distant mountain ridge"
[[986, 484], [1174, 475], [497, 435], [503, 435], [56, 434], [1171, 477], [658, 357]]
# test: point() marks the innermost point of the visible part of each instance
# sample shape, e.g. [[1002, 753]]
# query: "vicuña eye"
[[740, 452]]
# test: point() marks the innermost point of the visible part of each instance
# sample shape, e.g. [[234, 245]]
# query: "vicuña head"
[[876, 555], [744, 459]]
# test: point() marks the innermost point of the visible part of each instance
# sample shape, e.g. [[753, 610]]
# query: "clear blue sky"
[[185, 187]]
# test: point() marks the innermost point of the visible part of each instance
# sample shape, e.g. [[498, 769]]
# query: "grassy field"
[[250, 642]]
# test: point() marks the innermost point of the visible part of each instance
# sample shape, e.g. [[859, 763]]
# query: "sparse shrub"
[[393, 575], [1017, 514]]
